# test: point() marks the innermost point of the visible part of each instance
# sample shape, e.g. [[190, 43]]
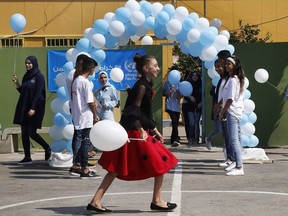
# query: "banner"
[[114, 58]]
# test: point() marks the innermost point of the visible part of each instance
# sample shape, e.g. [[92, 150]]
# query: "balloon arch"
[[196, 36]]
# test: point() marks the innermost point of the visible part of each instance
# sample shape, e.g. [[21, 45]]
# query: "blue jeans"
[[227, 147], [234, 134], [80, 146], [217, 129], [192, 127]]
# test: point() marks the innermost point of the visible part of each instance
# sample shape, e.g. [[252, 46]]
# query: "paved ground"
[[197, 184]]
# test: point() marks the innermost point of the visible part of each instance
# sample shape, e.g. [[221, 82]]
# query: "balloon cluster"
[[196, 36]]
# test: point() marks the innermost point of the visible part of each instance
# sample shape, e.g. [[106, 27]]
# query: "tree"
[[248, 34]]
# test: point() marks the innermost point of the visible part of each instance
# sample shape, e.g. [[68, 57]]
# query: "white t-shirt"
[[81, 95], [232, 91]]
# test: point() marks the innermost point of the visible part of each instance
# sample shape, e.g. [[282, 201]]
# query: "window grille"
[[61, 42], [12, 42]]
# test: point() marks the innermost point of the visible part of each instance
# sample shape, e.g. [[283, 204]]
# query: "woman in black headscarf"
[[30, 108]]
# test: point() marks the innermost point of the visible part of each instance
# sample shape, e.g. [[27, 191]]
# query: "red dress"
[[138, 160]]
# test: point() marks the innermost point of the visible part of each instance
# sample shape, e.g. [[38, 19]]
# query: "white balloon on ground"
[[68, 131], [116, 74], [147, 40], [108, 135], [261, 75]]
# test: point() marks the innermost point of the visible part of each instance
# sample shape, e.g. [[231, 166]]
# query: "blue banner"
[[122, 59]]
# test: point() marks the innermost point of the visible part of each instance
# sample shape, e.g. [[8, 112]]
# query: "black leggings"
[[30, 131]]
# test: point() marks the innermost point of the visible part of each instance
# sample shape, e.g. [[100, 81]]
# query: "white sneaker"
[[225, 163], [236, 172], [230, 167], [208, 144]]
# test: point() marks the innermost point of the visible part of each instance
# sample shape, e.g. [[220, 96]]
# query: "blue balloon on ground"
[[17, 22], [185, 88], [174, 77]]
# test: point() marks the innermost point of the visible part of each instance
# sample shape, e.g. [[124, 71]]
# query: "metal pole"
[[203, 93]]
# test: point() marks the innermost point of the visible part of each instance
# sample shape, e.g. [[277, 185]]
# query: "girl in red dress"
[[144, 156]]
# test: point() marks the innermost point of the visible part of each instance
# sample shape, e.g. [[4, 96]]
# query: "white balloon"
[[181, 13], [174, 27], [68, 131], [249, 106], [109, 17], [225, 33], [134, 38], [147, 40], [116, 74], [248, 129], [137, 18], [156, 8], [116, 28], [56, 105], [221, 42], [56, 132], [246, 83], [132, 5], [88, 33], [193, 35], [60, 79], [71, 54], [202, 24], [66, 108], [209, 53], [108, 135], [261, 75], [98, 41]]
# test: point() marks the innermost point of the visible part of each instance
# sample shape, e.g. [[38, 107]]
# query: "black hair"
[[141, 61], [238, 71], [223, 54]]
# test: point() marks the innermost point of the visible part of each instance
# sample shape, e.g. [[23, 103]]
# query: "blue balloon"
[[146, 8], [169, 9], [163, 18], [17, 22], [123, 14], [245, 140], [247, 94], [84, 45], [254, 141], [244, 119], [184, 49], [209, 64], [215, 80], [194, 16], [174, 77], [98, 55], [69, 146], [62, 94], [58, 146], [207, 38], [149, 23], [68, 66], [130, 29], [196, 49], [252, 118], [188, 23], [101, 26], [60, 120], [160, 31], [111, 41], [182, 36], [185, 88]]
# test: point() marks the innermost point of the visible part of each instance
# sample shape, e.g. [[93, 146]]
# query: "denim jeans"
[[80, 145], [192, 127], [227, 147], [234, 134], [217, 129], [175, 122]]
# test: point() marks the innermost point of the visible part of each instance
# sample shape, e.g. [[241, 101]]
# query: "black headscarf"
[[35, 70]]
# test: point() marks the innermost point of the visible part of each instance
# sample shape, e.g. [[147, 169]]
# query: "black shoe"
[[75, 171], [101, 210], [170, 207], [25, 161], [89, 175], [47, 154]]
